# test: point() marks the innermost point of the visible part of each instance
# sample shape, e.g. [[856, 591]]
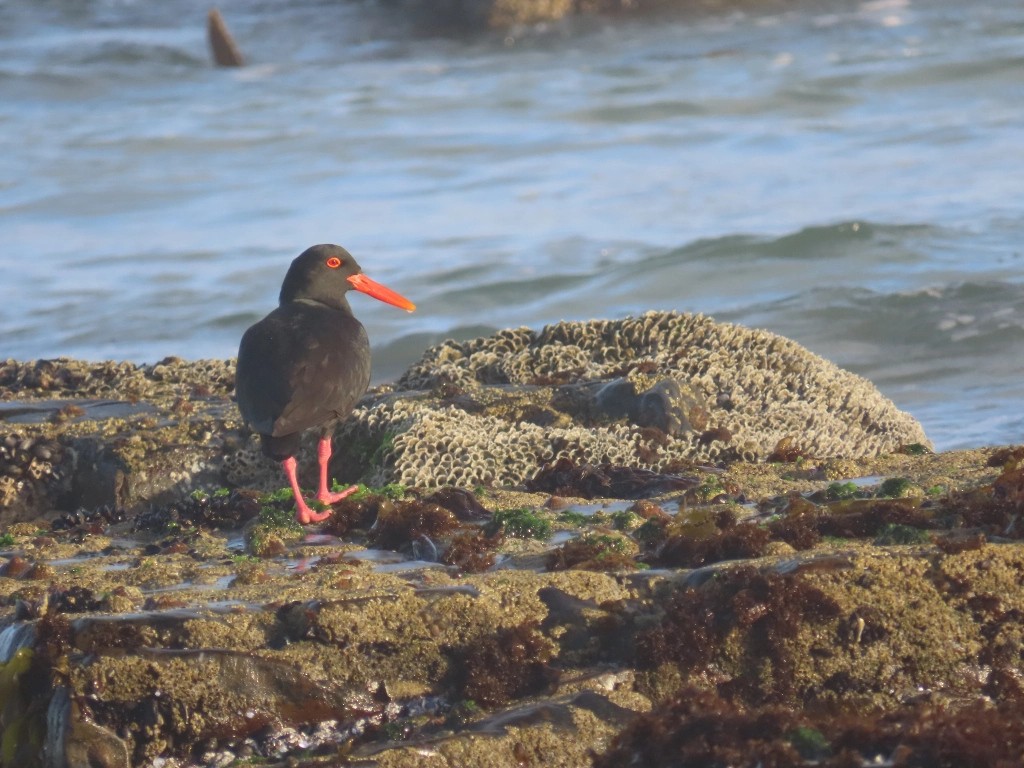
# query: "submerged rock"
[[607, 481]]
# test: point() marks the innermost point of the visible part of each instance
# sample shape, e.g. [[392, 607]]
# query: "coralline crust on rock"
[[492, 410]]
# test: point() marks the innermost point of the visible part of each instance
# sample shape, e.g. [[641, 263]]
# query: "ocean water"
[[848, 174]]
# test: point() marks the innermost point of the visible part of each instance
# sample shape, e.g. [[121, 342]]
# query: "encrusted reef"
[[658, 391]]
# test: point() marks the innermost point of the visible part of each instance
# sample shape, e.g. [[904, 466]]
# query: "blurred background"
[[847, 174]]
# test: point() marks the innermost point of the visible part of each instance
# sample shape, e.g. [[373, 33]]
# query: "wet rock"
[[655, 392], [73, 740], [462, 502], [74, 599], [904, 613], [236, 694], [96, 518], [475, 15], [228, 511], [33, 474], [326, 652], [15, 567], [663, 406]]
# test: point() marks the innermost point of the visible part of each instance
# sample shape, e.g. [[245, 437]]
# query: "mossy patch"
[[523, 523]]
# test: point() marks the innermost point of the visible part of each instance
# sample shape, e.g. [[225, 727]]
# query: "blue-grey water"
[[848, 174]]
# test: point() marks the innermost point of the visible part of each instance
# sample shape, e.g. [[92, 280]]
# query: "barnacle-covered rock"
[[116, 434], [31, 474], [65, 377], [656, 391]]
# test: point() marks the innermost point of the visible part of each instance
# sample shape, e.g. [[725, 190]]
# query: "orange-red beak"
[[372, 288]]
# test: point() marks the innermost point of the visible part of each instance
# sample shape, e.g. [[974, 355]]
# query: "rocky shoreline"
[[509, 14], [684, 576]]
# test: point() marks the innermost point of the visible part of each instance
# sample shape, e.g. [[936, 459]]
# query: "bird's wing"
[[301, 369], [327, 379], [262, 392]]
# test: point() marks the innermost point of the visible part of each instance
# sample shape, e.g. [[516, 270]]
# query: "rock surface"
[[847, 597], [582, 630], [78, 434], [659, 392]]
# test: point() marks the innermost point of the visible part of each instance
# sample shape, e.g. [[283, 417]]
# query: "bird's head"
[[325, 273]]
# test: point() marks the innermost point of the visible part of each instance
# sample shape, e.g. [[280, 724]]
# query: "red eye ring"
[[334, 262]]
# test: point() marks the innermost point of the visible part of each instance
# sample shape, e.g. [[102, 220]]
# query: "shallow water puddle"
[[220, 583], [88, 559], [607, 507], [389, 561], [37, 412], [561, 537], [865, 482]]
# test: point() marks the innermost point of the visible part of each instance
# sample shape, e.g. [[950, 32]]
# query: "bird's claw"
[[305, 515], [326, 497]]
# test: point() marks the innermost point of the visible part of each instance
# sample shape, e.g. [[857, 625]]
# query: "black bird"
[[306, 364]]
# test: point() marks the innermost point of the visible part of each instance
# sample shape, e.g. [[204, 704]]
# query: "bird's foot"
[[326, 497], [306, 515], [303, 513]]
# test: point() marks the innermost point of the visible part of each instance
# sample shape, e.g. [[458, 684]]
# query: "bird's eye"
[[334, 262]]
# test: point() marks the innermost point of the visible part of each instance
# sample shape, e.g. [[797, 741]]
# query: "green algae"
[[896, 534], [899, 488], [915, 449], [393, 491], [523, 523], [594, 552], [809, 742], [841, 491], [573, 518], [22, 723], [626, 520], [710, 488]]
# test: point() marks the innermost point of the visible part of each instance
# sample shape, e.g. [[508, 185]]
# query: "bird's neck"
[[337, 303]]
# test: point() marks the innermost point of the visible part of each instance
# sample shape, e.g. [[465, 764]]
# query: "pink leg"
[[303, 513], [323, 455]]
